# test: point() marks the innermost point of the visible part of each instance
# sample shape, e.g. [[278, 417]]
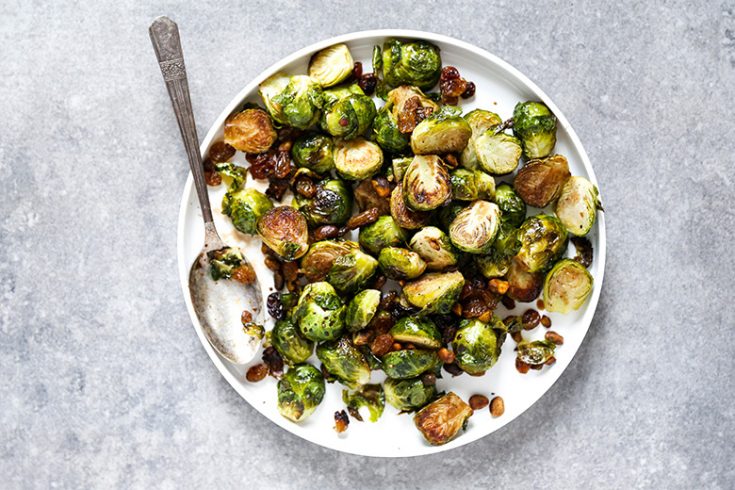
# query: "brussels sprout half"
[[440, 133], [331, 205], [480, 121], [441, 420], [357, 159], [289, 342], [470, 185], [422, 332], [543, 240], [523, 286], [577, 205], [361, 309], [285, 231], [476, 345], [412, 63], [398, 102], [250, 131], [331, 65], [399, 166], [497, 262], [512, 207], [435, 292], [408, 395], [321, 255], [535, 353], [475, 227], [535, 125], [351, 271], [342, 360], [349, 117], [435, 247], [300, 391], [409, 363], [385, 232], [497, 153], [319, 312], [540, 182], [387, 134], [404, 216], [314, 151], [371, 397], [426, 183], [296, 103], [567, 286], [399, 263], [245, 207]]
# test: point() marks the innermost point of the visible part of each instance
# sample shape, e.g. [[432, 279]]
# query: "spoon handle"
[[167, 44]]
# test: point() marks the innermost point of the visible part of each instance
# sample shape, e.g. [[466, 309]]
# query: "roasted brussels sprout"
[[289, 342], [442, 132], [476, 345], [331, 205], [357, 159], [426, 183], [351, 271], [411, 63], [314, 151], [470, 185], [435, 292], [540, 182], [409, 363], [349, 117], [497, 262], [577, 205], [404, 216], [294, 101], [371, 397], [441, 420], [319, 312], [449, 212], [285, 231], [543, 240], [331, 65], [250, 131], [567, 286], [474, 229], [408, 395], [399, 166], [223, 262], [535, 353], [233, 174], [342, 360], [300, 391], [245, 207], [421, 332], [523, 286], [535, 125], [512, 207], [361, 309], [385, 232], [435, 247], [497, 153], [480, 121], [335, 94], [387, 134], [321, 255], [399, 263]]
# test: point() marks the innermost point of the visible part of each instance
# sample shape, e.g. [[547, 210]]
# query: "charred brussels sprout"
[[385, 232], [398, 263], [357, 159], [293, 101], [361, 309], [476, 345], [435, 247], [387, 134], [497, 153], [577, 205], [475, 227], [315, 152], [480, 121], [535, 125], [543, 240], [411, 63], [404, 216], [440, 133], [349, 117], [250, 131], [344, 362], [441, 420], [409, 363], [351, 271], [408, 395], [435, 292], [331, 205], [321, 255], [371, 397], [300, 391], [470, 185], [331, 65], [245, 207], [523, 286], [567, 286], [512, 207], [319, 312], [540, 182], [287, 340], [426, 183], [535, 353], [285, 231], [422, 332]]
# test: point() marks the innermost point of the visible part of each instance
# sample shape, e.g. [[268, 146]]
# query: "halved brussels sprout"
[[408, 395], [435, 292], [342, 360], [288, 341], [250, 131], [497, 262], [349, 117], [361, 309], [535, 125], [387, 134], [245, 207], [426, 183], [577, 205], [435, 247], [321, 255], [476, 345], [403, 215], [480, 121], [315, 152], [319, 312], [398, 103], [440, 133], [497, 153], [512, 207], [357, 159], [351, 271], [567, 286], [399, 263], [300, 391], [268, 91], [296, 103], [475, 227], [371, 397], [543, 240], [331, 205], [441, 420], [409, 363], [399, 166], [535, 353], [539, 182], [470, 185], [331, 65], [523, 286], [285, 231], [412, 63], [385, 232], [422, 332], [492, 265]]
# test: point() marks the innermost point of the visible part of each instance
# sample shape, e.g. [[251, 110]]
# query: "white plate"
[[499, 87]]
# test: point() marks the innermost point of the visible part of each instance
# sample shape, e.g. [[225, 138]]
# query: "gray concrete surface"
[[102, 382]]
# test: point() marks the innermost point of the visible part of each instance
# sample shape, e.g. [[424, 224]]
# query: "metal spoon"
[[218, 304]]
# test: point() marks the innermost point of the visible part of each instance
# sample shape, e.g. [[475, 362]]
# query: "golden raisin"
[[478, 402], [554, 337], [446, 356], [257, 373], [497, 407], [546, 321]]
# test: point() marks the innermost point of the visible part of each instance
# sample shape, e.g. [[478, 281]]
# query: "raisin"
[[453, 369], [446, 356], [478, 402], [341, 421], [276, 189], [220, 152], [305, 187], [357, 70], [324, 232], [278, 281], [546, 321], [368, 83], [469, 91], [428, 379], [257, 373], [584, 250], [363, 219], [381, 345], [497, 407], [273, 360], [508, 302], [530, 319], [275, 306]]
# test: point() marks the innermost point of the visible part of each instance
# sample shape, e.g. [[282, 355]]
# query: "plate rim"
[[183, 267]]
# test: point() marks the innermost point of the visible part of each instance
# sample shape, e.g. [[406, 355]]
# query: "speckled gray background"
[[102, 381]]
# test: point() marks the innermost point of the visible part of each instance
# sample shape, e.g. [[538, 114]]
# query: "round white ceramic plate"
[[499, 87]]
